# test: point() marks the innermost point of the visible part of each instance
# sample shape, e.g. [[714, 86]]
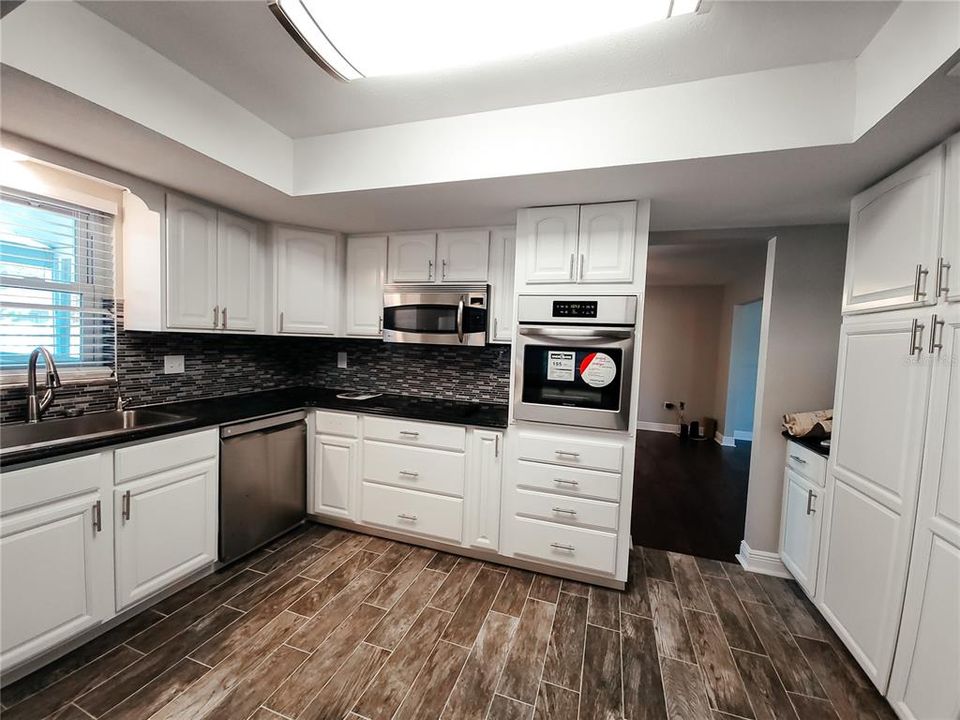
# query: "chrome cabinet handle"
[[916, 337], [223, 313], [405, 516], [125, 506], [97, 517], [564, 511], [798, 459], [942, 287], [811, 496], [443, 269], [379, 324], [580, 276], [571, 265], [410, 433], [567, 452], [409, 473], [460, 320], [495, 324], [935, 323], [921, 275], [496, 446], [216, 314], [562, 546], [561, 481], [429, 269], [281, 322]]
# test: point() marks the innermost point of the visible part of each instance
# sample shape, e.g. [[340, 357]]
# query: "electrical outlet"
[[172, 364], [668, 406], [341, 359]]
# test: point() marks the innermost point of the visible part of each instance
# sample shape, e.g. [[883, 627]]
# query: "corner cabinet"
[[307, 278], [366, 275]]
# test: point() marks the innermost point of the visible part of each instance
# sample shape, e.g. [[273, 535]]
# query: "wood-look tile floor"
[[331, 624]]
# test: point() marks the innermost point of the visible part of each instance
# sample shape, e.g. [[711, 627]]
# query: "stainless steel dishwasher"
[[263, 481]]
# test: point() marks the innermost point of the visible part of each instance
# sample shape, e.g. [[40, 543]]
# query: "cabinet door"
[[335, 472], [166, 528], [240, 278], [949, 279], [191, 276], [56, 574], [463, 255], [874, 473], [502, 266], [412, 258], [800, 529], [482, 494], [366, 274], [927, 664], [308, 291], [549, 236], [607, 235], [894, 229]]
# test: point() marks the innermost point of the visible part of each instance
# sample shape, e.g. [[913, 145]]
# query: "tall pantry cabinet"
[[889, 571]]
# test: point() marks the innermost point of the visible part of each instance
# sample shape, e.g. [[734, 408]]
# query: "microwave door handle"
[[460, 320]]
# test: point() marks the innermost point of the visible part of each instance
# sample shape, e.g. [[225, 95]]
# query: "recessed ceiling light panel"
[[369, 38]]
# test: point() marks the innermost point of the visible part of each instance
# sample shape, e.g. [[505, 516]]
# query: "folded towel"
[[802, 423]]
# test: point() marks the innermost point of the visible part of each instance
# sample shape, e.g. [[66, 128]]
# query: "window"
[[56, 282]]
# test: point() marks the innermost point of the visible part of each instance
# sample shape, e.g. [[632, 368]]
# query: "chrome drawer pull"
[[125, 506], [811, 496], [565, 512], [935, 323], [567, 452], [942, 287], [798, 459], [916, 337], [920, 279], [561, 546], [410, 433], [566, 482], [97, 517], [409, 473], [404, 516]]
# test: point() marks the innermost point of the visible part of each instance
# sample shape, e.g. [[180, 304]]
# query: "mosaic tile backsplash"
[[217, 365]]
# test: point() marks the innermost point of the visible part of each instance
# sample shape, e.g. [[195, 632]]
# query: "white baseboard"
[[658, 427], [743, 435], [761, 561], [724, 440]]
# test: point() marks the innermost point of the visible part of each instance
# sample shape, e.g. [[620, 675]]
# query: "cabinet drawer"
[[807, 463], [424, 469], [567, 510], [569, 481], [571, 452], [334, 423], [44, 483], [449, 437], [413, 512], [590, 550], [153, 457]]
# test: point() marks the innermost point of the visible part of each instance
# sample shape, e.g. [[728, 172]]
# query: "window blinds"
[[56, 282]]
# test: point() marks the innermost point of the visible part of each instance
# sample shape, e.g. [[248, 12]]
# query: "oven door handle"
[[581, 334], [460, 320]]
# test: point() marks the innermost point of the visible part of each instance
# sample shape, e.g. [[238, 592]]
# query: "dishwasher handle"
[[266, 423]]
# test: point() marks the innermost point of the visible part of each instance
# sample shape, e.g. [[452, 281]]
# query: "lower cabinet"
[[334, 476], [482, 494], [800, 529]]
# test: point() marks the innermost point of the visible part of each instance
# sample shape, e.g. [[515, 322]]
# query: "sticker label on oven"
[[561, 365], [598, 369]]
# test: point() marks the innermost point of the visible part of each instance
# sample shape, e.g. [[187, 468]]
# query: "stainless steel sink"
[[95, 425]]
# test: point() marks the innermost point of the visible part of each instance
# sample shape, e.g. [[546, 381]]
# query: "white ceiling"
[[239, 48]]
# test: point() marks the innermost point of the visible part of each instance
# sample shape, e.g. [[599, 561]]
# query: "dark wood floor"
[[331, 624], [689, 496]]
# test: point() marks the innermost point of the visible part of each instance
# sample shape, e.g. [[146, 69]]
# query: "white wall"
[[680, 338], [744, 363], [800, 335]]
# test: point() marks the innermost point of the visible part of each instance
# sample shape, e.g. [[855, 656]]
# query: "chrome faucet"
[[36, 407]]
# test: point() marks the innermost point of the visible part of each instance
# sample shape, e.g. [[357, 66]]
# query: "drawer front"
[[569, 481], [425, 469], [414, 512], [570, 452], [567, 510], [153, 457], [589, 550], [334, 423], [807, 463], [408, 432], [45, 483]]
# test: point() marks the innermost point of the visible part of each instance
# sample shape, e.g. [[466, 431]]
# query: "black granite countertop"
[[212, 412], [809, 443]]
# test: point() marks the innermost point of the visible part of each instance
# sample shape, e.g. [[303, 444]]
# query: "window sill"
[[68, 376]]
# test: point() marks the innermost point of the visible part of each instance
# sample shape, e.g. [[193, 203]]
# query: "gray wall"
[[744, 362]]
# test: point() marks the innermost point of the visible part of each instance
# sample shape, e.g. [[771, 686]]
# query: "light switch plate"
[[172, 364], [341, 359]]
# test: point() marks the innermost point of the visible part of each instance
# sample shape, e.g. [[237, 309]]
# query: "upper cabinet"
[[463, 255], [503, 245], [579, 244], [366, 274], [307, 280], [413, 258], [948, 267], [214, 270], [894, 244]]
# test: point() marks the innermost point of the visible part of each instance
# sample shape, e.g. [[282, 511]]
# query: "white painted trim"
[[743, 435], [658, 427], [724, 440], [761, 561]]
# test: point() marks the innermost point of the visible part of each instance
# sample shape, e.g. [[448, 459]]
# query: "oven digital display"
[[575, 308]]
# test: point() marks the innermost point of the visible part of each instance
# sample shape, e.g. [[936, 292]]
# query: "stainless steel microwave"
[[435, 314]]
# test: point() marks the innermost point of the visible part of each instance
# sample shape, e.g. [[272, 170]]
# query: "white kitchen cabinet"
[[366, 275], [463, 255], [503, 246], [412, 258], [874, 475], [800, 529], [335, 475], [482, 495], [924, 683], [166, 527], [948, 278], [239, 273], [191, 269], [606, 242], [307, 282], [55, 555], [550, 236], [894, 240]]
